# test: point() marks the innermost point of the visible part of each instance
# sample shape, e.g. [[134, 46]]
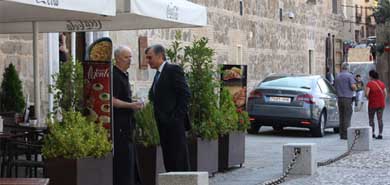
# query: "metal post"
[[37, 94], [73, 46], [333, 56]]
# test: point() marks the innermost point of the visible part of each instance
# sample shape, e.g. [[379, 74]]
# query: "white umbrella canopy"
[[16, 16], [26, 14], [130, 15], [54, 10]]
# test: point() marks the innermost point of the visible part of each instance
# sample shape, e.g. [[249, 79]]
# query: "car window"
[[293, 82], [330, 87], [323, 86]]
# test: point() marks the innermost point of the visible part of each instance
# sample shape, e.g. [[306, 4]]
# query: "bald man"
[[125, 164]]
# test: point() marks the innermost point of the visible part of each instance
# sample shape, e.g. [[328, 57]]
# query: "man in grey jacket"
[[345, 85]]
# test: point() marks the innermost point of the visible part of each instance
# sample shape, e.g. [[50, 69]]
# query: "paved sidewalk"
[[264, 162], [361, 168]]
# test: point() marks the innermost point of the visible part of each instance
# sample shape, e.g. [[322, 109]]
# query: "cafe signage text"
[[84, 25]]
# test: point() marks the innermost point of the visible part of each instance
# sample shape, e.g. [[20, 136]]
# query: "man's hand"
[[137, 105]]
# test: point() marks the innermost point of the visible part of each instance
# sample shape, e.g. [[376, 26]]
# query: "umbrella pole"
[[37, 97]]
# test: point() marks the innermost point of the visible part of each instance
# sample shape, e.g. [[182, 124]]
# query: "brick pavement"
[[361, 168]]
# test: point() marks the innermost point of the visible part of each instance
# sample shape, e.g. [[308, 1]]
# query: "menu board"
[[97, 81], [234, 78]]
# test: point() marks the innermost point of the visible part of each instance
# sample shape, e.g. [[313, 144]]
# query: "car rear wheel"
[[319, 131], [254, 129]]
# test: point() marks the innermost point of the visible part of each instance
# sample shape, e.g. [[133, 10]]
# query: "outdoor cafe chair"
[[22, 153]]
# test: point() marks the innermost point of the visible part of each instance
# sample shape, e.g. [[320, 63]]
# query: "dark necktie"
[[156, 77]]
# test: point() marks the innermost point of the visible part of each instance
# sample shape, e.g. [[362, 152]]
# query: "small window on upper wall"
[[311, 2], [334, 6]]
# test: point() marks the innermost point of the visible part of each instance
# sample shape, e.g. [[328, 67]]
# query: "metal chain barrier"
[[290, 166], [330, 161]]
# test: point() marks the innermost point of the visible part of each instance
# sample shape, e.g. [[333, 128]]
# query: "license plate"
[[280, 99]]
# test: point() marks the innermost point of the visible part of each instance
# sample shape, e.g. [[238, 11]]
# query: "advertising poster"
[[97, 90], [234, 78], [97, 81]]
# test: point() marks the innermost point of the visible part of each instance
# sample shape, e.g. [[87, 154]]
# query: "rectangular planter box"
[[151, 163], [231, 151], [88, 171], [203, 155]]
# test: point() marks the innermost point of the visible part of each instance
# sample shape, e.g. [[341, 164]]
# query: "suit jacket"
[[171, 96]]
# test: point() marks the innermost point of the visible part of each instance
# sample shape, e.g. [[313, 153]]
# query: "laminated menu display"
[[97, 81], [234, 79]]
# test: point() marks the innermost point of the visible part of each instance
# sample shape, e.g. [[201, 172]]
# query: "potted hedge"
[[68, 89], [150, 156], [232, 145], [231, 142], [12, 101], [196, 59], [77, 151]]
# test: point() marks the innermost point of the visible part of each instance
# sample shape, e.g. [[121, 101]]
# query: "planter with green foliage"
[[196, 60], [11, 96], [77, 151], [149, 150], [68, 89]]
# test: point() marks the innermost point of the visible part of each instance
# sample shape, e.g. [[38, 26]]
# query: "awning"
[[54, 10], [23, 16], [130, 15]]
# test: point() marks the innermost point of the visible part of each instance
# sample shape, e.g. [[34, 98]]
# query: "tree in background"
[[11, 95]]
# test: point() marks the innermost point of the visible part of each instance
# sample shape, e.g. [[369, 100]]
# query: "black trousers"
[[174, 146], [345, 115], [126, 170]]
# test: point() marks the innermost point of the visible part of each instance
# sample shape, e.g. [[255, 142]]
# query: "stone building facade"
[[383, 60], [262, 35]]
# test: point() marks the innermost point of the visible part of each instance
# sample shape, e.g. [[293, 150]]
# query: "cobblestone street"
[[264, 159]]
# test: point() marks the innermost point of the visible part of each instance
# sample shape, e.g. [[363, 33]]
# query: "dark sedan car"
[[294, 101]]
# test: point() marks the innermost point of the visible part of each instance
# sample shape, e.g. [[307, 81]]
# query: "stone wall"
[[383, 60], [266, 44], [17, 49], [257, 38]]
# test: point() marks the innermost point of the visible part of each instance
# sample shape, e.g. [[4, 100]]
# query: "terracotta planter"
[[87, 171], [231, 151], [203, 155], [151, 163]]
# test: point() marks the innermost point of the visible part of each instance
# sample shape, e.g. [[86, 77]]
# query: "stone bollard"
[[183, 178], [363, 142], [305, 163]]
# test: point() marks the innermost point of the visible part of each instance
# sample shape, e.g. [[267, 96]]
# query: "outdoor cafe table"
[[23, 181]]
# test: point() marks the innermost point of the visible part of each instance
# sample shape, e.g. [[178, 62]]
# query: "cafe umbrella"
[[129, 15]]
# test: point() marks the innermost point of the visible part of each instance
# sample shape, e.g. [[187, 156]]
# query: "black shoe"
[[373, 136], [379, 137]]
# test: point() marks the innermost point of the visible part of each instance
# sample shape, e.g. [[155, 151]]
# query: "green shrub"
[[68, 88], [11, 95], [228, 112], [243, 120], [75, 137], [204, 113], [382, 12], [147, 132]]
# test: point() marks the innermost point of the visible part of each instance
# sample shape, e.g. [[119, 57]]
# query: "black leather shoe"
[[373, 136], [379, 137]]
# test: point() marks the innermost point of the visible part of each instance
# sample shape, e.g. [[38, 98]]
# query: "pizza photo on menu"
[[100, 50]]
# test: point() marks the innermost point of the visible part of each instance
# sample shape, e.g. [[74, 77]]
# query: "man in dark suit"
[[170, 96]]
